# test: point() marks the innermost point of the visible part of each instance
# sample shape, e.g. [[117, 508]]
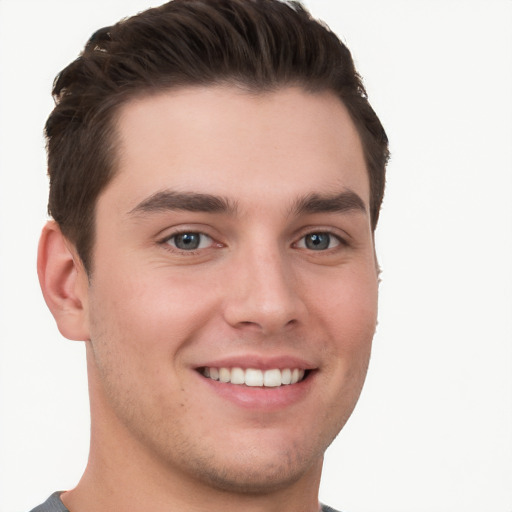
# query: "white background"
[[433, 429]]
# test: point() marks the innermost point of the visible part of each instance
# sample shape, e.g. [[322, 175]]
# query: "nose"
[[263, 293]]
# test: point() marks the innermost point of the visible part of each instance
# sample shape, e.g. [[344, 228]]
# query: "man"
[[216, 175]]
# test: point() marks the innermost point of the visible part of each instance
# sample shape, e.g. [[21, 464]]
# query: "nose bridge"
[[263, 292]]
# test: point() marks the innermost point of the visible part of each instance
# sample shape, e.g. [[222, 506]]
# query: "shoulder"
[[52, 504], [325, 508]]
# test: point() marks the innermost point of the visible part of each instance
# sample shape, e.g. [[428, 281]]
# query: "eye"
[[318, 241], [189, 241]]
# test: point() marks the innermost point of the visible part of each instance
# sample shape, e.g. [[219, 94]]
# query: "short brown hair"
[[256, 44]]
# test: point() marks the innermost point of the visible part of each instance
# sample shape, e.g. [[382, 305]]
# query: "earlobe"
[[63, 282]]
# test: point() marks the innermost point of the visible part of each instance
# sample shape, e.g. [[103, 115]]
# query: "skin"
[[162, 436]]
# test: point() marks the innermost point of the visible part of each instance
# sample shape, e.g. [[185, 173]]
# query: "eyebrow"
[[344, 202], [166, 200]]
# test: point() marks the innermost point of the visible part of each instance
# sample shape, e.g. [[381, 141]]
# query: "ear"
[[64, 283]]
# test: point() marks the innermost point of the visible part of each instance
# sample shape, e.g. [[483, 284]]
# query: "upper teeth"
[[255, 377]]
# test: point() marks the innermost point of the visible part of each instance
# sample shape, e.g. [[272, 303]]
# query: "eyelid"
[[301, 244], [201, 242], [180, 228], [341, 237], [164, 241]]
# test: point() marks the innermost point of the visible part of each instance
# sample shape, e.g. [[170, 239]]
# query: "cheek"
[[348, 306], [348, 316], [135, 344], [148, 319]]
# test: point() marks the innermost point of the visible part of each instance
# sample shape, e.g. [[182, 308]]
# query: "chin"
[[249, 475]]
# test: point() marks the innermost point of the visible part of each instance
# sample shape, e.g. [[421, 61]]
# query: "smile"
[[253, 377]]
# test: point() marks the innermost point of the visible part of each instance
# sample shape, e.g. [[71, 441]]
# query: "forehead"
[[229, 142]]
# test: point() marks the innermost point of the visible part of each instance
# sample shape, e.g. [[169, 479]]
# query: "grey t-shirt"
[[54, 504]]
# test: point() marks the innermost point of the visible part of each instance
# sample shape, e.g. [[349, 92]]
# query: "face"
[[233, 296]]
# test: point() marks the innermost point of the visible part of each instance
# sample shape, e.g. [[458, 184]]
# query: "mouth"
[[254, 377]]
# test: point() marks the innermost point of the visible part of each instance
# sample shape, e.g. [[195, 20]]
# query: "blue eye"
[[189, 241], [318, 241]]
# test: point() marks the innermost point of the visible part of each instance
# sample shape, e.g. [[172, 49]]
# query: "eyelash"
[[302, 243], [331, 237], [174, 236]]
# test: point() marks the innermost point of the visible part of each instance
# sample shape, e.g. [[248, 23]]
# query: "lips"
[[259, 383], [254, 377]]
